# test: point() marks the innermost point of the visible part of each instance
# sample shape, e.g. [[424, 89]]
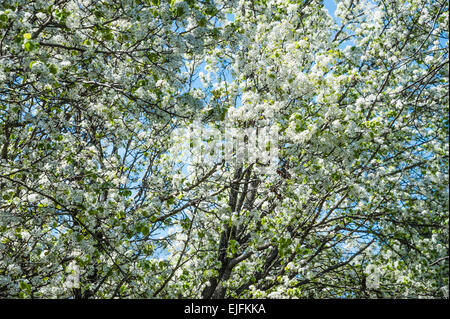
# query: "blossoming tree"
[[223, 149]]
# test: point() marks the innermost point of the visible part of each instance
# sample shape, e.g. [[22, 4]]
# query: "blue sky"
[[330, 5]]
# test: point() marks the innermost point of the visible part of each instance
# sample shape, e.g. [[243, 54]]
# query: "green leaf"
[[52, 69], [179, 12], [28, 46], [202, 23], [109, 36]]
